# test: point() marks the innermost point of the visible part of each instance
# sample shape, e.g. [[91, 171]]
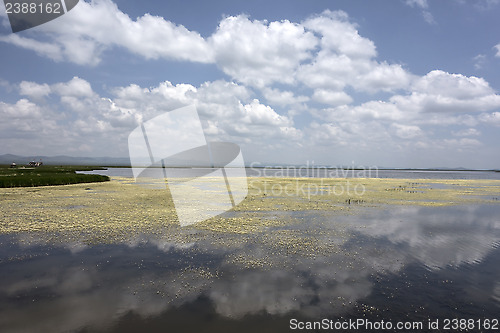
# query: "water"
[[326, 173], [391, 263]]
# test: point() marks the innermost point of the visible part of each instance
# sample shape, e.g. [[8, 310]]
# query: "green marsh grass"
[[46, 175]]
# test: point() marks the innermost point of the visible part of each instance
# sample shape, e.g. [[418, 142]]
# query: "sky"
[[387, 83]]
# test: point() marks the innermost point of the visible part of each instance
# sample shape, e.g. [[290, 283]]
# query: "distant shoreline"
[[311, 168], [275, 172], [124, 162]]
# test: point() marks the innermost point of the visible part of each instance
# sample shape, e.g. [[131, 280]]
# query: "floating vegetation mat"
[[120, 210]]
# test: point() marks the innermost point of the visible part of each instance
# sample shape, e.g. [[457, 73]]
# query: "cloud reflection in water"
[[83, 286]]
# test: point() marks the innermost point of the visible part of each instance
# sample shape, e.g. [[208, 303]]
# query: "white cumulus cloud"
[[257, 52], [34, 90], [85, 32], [497, 47], [333, 98], [287, 83]]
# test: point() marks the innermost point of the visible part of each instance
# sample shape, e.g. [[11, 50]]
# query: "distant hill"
[[65, 160], [125, 161]]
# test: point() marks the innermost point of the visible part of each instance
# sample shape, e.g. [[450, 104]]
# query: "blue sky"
[[385, 83]]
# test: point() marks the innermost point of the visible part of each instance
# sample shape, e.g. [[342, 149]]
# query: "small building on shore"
[[35, 164]]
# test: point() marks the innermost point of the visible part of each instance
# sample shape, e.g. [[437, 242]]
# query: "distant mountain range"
[[65, 160], [125, 162]]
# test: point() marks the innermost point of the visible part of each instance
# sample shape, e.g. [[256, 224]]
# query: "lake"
[[376, 265], [327, 173]]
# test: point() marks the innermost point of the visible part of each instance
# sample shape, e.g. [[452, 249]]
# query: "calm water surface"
[[398, 263], [324, 173]]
